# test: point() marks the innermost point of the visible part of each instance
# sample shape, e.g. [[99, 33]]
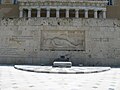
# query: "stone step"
[[62, 64]]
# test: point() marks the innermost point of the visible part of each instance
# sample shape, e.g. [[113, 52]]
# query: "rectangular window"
[[110, 2], [14, 1], [0, 1]]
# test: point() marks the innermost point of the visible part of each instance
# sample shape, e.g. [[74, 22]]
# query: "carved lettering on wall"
[[19, 39], [63, 40], [8, 51], [102, 39]]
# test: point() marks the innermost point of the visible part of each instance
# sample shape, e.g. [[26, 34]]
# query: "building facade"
[[75, 8], [39, 31], [71, 9]]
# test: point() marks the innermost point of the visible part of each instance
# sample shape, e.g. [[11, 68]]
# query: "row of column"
[[67, 13]]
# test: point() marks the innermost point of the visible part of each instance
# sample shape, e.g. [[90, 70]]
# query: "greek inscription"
[[8, 51], [20, 38], [102, 39]]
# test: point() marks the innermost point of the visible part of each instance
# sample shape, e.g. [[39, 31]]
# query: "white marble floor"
[[13, 79]]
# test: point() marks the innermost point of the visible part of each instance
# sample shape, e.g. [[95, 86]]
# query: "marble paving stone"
[[13, 79]]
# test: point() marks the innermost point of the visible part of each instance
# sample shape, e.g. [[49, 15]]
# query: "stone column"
[[95, 14], [58, 12], [86, 13], [48, 12], [38, 12], [104, 13], [21, 13], [77, 13], [29, 12], [67, 13]]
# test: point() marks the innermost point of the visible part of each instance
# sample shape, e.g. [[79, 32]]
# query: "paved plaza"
[[13, 79]]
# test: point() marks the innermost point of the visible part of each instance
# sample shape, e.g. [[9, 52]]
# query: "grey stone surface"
[[41, 40]]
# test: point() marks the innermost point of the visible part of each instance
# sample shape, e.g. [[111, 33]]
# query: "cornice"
[[49, 3]]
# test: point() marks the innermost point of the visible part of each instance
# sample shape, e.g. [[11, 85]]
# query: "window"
[[43, 13], [110, 2], [25, 13], [14, 1], [91, 13], [52, 13], [62, 13], [82, 13], [71, 13], [34, 13], [0, 1]]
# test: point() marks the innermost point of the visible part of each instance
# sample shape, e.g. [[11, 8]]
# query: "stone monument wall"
[[41, 40]]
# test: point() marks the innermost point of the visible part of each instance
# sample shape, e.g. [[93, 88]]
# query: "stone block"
[[62, 64]]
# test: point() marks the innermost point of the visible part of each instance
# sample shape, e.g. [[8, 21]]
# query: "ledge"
[[56, 70]]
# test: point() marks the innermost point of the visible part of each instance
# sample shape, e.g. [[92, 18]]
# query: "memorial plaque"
[[63, 40]]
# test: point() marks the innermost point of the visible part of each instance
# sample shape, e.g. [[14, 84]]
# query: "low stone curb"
[[62, 72]]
